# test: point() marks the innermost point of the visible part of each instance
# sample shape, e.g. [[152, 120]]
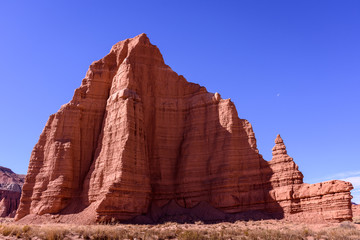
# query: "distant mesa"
[[356, 210], [138, 143], [10, 191]]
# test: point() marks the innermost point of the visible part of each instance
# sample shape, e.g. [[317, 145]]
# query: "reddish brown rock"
[[10, 192], [138, 139], [328, 201], [356, 210]]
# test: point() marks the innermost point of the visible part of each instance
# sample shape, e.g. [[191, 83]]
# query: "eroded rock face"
[[10, 191], [329, 201], [137, 138], [356, 210]]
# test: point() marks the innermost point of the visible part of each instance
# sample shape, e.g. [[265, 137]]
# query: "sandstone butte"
[[10, 191], [139, 143]]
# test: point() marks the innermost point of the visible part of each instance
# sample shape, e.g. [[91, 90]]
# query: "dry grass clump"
[[13, 230], [259, 230]]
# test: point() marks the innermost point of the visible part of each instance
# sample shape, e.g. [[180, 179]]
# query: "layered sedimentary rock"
[[138, 139], [356, 210], [10, 191], [329, 201]]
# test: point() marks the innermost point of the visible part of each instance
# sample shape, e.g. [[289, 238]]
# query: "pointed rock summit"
[[285, 170], [279, 140], [279, 148], [136, 134]]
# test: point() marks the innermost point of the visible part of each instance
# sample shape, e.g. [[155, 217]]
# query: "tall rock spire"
[[306, 201], [279, 149], [286, 171]]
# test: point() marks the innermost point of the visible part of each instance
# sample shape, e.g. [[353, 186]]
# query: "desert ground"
[[266, 229]]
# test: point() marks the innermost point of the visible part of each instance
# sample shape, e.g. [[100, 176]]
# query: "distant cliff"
[[356, 210], [10, 191]]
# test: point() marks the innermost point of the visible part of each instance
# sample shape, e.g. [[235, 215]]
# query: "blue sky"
[[290, 67]]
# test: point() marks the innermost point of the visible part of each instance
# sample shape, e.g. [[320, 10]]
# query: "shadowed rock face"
[[138, 139], [10, 191]]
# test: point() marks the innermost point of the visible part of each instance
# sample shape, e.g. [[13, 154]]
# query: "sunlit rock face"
[[327, 201], [10, 191], [137, 139], [356, 210]]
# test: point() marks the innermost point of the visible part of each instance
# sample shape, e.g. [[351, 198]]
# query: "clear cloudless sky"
[[290, 67]]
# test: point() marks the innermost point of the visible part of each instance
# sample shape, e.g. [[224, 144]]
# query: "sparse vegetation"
[[260, 230], [356, 220]]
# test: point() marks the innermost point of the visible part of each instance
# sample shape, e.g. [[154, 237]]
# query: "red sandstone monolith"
[[139, 140]]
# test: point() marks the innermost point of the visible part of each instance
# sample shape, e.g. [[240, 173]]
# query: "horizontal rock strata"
[[10, 192], [137, 135], [356, 210], [329, 201]]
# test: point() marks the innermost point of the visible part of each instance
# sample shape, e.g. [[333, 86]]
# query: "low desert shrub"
[[191, 235], [5, 230], [347, 225], [11, 230], [49, 232], [53, 235], [26, 228]]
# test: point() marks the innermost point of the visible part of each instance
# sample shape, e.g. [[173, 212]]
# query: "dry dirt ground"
[[266, 229]]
